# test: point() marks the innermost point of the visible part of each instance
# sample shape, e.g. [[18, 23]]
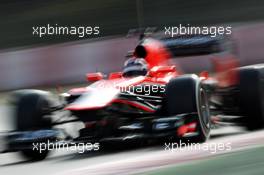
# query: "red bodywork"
[[160, 72], [159, 75]]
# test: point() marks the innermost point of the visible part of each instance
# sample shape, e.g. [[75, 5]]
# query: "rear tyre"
[[251, 96], [185, 94], [31, 114]]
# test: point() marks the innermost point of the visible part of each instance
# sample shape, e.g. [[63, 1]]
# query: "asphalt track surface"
[[125, 161]]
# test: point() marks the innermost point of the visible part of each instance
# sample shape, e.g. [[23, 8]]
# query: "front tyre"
[[186, 95], [251, 96], [31, 113]]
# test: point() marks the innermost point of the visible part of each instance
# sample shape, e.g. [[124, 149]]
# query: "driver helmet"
[[135, 67]]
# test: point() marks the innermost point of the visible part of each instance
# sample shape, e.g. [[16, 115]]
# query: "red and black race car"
[[151, 99]]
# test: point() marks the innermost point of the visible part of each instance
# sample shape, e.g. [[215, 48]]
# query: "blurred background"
[[115, 17], [28, 61]]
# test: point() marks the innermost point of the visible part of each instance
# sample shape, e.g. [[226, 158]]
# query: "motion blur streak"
[[49, 66], [29, 61]]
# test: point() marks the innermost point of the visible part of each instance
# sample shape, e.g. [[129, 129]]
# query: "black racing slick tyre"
[[185, 95], [31, 108], [251, 96]]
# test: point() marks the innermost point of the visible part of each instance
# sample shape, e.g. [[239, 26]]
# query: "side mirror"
[[161, 70], [115, 75], [94, 76]]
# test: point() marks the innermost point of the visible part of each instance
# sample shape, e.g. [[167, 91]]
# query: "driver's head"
[[135, 67]]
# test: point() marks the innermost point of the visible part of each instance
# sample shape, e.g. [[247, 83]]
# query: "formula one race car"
[[145, 103]]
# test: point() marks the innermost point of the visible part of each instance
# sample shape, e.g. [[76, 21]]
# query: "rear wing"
[[159, 50], [186, 45], [195, 45], [182, 45]]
